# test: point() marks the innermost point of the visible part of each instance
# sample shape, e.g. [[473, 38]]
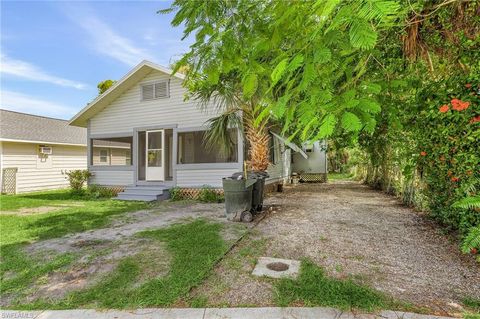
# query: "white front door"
[[155, 156]]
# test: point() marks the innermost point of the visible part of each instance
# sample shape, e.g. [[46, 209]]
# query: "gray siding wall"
[[111, 178]]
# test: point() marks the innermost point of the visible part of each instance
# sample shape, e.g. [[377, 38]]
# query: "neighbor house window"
[[192, 150], [156, 90], [116, 151]]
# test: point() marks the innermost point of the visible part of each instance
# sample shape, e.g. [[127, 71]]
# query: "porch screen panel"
[[192, 149]]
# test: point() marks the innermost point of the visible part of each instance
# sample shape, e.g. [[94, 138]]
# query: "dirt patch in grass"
[[132, 223], [99, 259], [40, 209], [33, 210]]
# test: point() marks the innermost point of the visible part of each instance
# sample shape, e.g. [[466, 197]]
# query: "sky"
[[54, 53]]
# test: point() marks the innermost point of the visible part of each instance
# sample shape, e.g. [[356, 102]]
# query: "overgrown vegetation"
[[206, 194], [210, 195], [396, 81], [314, 288]]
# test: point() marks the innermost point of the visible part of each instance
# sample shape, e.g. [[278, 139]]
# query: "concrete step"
[[135, 191], [139, 197], [148, 188], [144, 193]]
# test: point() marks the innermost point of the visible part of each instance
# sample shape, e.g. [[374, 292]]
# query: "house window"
[[128, 157], [156, 90], [273, 150], [103, 156], [115, 151], [192, 150]]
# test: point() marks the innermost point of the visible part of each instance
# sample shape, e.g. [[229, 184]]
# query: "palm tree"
[[234, 111]]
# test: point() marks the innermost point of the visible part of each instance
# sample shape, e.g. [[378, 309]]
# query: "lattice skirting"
[[115, 189], [313, 177], [9, 180], [193, 193]]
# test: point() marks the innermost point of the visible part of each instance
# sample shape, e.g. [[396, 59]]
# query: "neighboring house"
[[36, 151], [147, 114], [314, 167]]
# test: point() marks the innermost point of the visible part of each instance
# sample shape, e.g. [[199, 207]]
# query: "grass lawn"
[[61, 213], [194, 248], [64, 213], [339, 176], [314, 288]]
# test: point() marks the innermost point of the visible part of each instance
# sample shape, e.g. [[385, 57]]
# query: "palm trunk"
[[259, 141]]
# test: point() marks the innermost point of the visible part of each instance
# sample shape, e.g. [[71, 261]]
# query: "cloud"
[[14, 101], [108, 42], [29, 71]]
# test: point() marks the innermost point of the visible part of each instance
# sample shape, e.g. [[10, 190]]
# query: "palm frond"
[[219, 133], [470, 202]]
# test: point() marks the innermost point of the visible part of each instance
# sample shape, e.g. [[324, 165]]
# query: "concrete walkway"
[[212, 313]]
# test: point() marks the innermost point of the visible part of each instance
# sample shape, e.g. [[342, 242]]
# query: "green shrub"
[[209, 195], [176, 194], [77, 179], [96, 191]]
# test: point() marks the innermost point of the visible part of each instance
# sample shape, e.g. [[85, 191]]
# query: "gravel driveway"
[[353, 230]]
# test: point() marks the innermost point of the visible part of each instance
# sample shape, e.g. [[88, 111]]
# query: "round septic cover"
[[277, 266]]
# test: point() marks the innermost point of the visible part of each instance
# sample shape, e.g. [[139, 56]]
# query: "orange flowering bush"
[[449, 140]]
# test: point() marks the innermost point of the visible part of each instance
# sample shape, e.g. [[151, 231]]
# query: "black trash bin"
[[258, 190], [238, 198]]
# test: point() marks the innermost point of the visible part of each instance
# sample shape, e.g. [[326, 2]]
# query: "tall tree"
[[105, 85], [298, 62]]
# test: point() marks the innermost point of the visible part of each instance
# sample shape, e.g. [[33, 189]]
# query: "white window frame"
[[167, 82], [107, 161]]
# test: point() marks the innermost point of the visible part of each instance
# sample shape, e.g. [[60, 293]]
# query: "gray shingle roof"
[[27, 127]]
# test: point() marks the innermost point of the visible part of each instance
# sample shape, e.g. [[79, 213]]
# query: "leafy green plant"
[[471, 242], [77, 178], [176, 194], [96, 191], [470, 202], [209, 195]]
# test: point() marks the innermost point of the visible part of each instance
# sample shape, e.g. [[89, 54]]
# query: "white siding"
[[111, 178], [36, 173], [315, 163], [280, 171], [128, 111], [196, 178]]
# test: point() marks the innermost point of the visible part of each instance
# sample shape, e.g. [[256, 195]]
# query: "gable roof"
[[103, 100], [22, 127]]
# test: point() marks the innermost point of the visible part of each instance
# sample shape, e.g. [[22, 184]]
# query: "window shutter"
[[161, 89], [147, 92]]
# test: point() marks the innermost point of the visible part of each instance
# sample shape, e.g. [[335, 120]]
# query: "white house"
[[36, 151], [147, 113]]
